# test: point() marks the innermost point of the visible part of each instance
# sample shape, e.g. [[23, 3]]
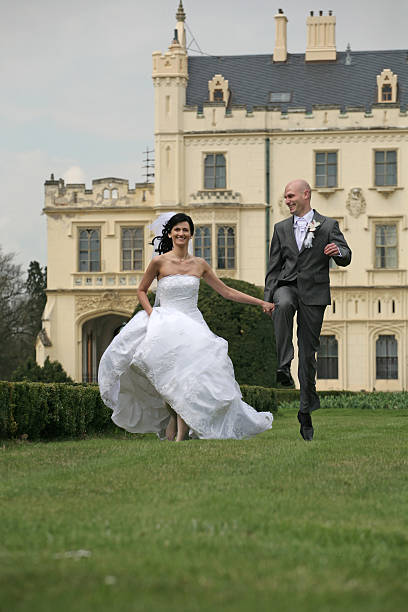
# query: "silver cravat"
[[300, 231]]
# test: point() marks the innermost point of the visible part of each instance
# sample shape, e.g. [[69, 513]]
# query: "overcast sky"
[[76, 91]]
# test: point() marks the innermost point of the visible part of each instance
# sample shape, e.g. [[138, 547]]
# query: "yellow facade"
[[259, 151], [86, 306]]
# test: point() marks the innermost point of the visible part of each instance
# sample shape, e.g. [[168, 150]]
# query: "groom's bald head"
[[297, 197], [300, 185]]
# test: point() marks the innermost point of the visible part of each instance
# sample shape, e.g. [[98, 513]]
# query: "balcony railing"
[[106, 280]]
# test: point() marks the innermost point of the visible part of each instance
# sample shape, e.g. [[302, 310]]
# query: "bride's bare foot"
[[182, 429]]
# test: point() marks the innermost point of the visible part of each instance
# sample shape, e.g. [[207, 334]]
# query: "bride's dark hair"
[[165, 243]]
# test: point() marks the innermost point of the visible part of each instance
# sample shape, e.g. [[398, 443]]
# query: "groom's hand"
[[332, 250]]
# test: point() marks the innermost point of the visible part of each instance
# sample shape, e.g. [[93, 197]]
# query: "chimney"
[[321, 37], [280, 52]]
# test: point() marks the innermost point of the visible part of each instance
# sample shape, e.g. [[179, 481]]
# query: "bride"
[[166, 372]]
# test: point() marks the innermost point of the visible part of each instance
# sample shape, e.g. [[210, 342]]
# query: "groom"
[[297, 280]]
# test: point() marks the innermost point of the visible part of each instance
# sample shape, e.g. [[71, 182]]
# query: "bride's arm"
[[152, 271], [233, 294]]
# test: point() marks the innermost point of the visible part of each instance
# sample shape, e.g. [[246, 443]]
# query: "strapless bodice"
[[178, 291]]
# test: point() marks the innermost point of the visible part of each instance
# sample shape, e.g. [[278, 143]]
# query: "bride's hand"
[[268, 307]]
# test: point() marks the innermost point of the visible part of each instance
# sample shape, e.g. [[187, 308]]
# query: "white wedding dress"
[[172, 356]]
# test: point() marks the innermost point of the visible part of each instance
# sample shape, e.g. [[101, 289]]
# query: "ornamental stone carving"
[[215, 197], [282, 206], [107, 301], [356, 203], [223, 215]]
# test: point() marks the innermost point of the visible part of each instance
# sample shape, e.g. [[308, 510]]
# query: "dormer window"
[[106, 194], [387, 83], [218, 90], [115, 194]]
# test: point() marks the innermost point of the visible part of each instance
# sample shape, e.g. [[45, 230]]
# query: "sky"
[[76, 90]]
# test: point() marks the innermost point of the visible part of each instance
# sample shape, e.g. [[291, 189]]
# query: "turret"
[[170, 76]]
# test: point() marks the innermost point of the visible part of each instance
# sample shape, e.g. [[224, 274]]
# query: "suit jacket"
[[308, 267]]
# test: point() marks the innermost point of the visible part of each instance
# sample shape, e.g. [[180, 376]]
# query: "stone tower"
[[170, 76]]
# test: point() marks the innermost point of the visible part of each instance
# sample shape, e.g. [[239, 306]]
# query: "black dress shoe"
[[284, 378], [306, 427]]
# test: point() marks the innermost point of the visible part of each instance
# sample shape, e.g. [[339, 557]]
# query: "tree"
[[249, 332], [21, 305], [12, 299], [51, 371], [35, 286]]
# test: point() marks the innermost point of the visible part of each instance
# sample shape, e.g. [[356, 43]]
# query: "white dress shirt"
[[300, 226]]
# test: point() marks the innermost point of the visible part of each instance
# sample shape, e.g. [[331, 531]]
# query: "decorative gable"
[[387, 83], [218, 89]]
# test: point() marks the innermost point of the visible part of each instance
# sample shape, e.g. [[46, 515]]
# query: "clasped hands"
[[268, 308]]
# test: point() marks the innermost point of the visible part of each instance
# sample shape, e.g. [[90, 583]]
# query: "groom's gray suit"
[[299, 281]]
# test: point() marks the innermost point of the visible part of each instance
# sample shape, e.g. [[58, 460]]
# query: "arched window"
[[226, 248], [106, 194], [386, 357], [115, 194], [89, 250], [328, 357], [202, 242], [215, 171]]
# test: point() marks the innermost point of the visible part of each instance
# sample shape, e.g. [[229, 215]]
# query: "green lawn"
[[271, 523]]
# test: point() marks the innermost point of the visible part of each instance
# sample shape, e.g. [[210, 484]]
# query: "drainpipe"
[[267, 197]]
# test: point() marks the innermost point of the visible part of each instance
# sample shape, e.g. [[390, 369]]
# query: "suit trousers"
[[309, 324]]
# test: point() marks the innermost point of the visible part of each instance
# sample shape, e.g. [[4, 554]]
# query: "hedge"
[[360, 400], [33, 410], [40, 410]]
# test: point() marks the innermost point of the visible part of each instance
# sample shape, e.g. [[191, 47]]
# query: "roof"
[[253, 77]]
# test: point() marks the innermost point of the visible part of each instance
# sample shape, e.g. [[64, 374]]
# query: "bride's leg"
[[171, 429], [182, 429]]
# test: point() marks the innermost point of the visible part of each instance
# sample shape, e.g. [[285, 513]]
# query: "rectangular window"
[[202, 242], [226, 248], [385, 168], [281, 96], [386, 255], [386, 358], [326, 168], [215, 171], [90, 250], [327, 358], [132, 243]]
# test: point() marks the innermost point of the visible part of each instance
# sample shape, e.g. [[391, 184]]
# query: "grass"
[[271, 523]]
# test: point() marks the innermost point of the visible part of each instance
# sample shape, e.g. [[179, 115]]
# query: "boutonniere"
[[311, 228]]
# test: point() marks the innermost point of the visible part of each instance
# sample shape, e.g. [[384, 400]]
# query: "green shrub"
[[349, 399], [260, 398], [249, 332], [51, 371], [40, 410]]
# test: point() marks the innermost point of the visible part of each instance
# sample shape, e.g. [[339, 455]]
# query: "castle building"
[[230, 132]]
